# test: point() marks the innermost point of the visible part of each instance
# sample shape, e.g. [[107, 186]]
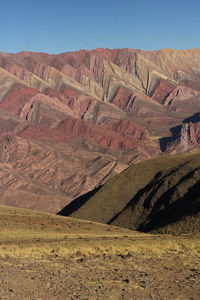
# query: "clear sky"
[[56, 26]]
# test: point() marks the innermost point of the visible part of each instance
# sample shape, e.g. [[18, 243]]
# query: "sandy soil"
[[133, 276], [48, 257]]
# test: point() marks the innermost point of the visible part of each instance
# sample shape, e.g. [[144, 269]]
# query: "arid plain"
[[52, 257]]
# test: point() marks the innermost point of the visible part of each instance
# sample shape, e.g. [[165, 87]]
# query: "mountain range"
[[70, 122]]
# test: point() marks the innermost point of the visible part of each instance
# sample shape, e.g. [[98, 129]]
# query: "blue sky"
[[56, 26]]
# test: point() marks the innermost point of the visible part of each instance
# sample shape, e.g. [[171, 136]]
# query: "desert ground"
[[44, 256]]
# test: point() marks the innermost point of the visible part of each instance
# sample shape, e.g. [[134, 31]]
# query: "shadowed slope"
[[148, 195]]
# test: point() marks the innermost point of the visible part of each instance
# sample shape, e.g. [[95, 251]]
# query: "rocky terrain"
[[70, 122], [63, 258], [101, 276]]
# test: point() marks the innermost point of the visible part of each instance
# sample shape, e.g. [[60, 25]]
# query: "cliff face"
[[102, 109], [187, 139]]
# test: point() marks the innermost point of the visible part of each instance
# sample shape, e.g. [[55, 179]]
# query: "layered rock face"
[[187, 139], [71, 121]]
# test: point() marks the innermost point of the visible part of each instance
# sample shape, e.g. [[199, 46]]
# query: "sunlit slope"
[[147, 196], [26, 233], [23, 225], [30, 234]]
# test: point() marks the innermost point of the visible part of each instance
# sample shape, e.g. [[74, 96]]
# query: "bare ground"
[[131, 276], [47, 257]]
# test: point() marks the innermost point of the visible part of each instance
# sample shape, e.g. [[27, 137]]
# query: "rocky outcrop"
[[190, 136], [183, 99], [16, 98], [188, 139], [162, 90], [127, 128]]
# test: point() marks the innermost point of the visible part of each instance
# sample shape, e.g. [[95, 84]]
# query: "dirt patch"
[[106, 276]]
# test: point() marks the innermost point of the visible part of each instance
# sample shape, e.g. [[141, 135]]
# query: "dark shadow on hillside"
[[77, 203], [151, 188], [193, 119], [166, 141], [137, 197], [188, 205], [151, 210]]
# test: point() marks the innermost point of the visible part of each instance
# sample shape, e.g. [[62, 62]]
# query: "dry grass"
[[31, 234]]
